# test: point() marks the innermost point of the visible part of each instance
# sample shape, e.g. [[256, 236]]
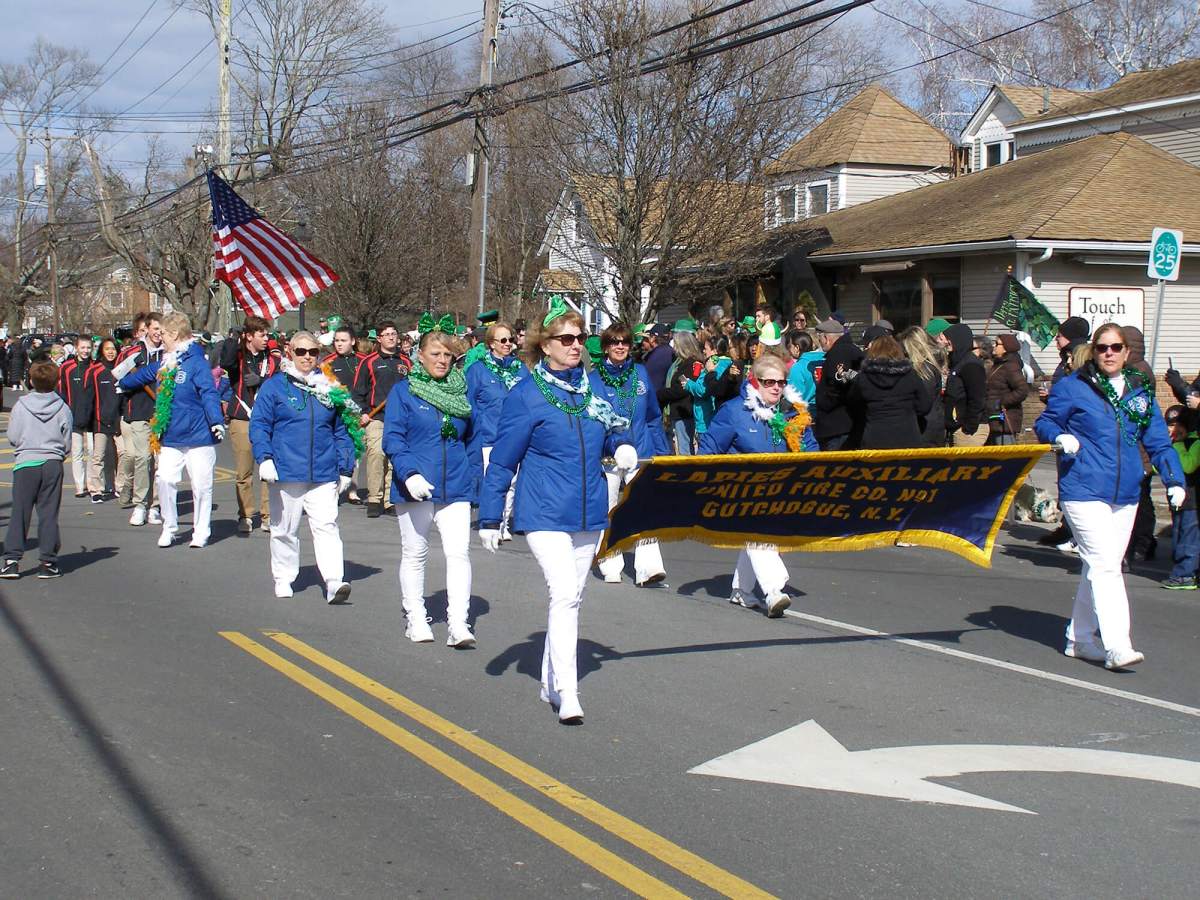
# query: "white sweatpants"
[[1101, 532], [506, 518], [81, 457], [200, 462], [290, 501], [761, 563], [566, 559], [647, 558], [453, 521]]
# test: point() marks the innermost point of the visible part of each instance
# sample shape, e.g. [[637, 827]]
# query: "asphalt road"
[[172, 729]]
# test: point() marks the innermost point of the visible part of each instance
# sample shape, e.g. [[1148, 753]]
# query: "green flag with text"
[[1017, 308]]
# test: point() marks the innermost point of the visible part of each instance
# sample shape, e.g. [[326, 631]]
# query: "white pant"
[[566, 560], [647, 558], [506, 517], [289, 502], [200, 462], [761, 563], [453, 522], [1101, 532], [81, 457]]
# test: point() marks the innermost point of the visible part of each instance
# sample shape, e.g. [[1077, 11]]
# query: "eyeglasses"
[[506, 340], [618, 342], [1105, 348], [772, 382], [306, 351], [567, 340]]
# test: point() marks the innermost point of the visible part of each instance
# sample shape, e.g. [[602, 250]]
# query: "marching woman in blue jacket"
[[488, 385], [625, 385], [1097, 416], [436, 468], [556, 429], [300, 437], [756, 424], [187, 423]]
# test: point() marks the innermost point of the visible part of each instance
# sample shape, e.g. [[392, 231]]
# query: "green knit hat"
[[749, 324], [685, 325], [936, 327], [592, 346]]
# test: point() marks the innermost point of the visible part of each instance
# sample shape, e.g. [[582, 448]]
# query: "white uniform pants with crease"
[[453, 521], [1101, 532], [566, 560], [506, 518], [199, 462], [290, 500], [647, 558], [761, 563]]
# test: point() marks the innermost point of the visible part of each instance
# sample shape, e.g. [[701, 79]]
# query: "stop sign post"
[[1166, 253]]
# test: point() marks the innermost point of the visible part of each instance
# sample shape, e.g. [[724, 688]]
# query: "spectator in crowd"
[[936, 329], [888, 397], [1185, 530], [249, 363], [1006, 391], [806, 370], [929, 362], [75, 388], [658, 355], [1142, 541], [834, 424], [18, 362], [674, 396], [106, 421], [966, 389], [377, 374], [136, 461]]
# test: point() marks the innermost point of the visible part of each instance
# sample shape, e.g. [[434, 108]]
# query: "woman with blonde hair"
[[556, 429], [435, 469], [929, 362]]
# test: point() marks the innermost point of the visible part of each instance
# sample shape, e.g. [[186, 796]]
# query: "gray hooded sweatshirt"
[[39, 428]]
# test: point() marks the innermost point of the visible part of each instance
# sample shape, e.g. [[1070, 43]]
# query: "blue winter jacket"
[[644, 414], [308, 441], [412, 440], [704, 405], [196, 406], [734, 429], [486, 394], [1107, 467], [561, 486]]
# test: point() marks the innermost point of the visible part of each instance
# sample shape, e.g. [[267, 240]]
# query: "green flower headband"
[[427, 324], [558, 308]]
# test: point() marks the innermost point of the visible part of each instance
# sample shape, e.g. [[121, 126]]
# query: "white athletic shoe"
[[652, 579], [1123, 659], [154, 517], [1085, 650], [138, 516], [283, 590], [776, 604], [569, 710], [1068, 546], [337, 592], [418, 631], [460, 637], [614, 578], [167, 538], [747, 601]]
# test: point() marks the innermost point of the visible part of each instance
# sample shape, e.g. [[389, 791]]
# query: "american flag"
[[268, 272]]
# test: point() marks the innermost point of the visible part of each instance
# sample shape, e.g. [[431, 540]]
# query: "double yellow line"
[[578, 845]]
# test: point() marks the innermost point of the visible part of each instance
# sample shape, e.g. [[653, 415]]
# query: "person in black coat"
[[834, 427], [18, 362], [966, 387], [889, 398]]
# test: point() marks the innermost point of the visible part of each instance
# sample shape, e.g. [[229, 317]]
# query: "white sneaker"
[[154, 517], [460, 637], [569, 710], [652, 579], [1085, 650], [776, 604], [265, 524], [283, 590], [197, 544], [418, 631], [138, 517], [1068, 547], [748, 601], [167, 538], [1123, 659], [337, 592], [614, 578], [245, 526]]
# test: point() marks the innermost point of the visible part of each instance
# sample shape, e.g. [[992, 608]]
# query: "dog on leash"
[[1034, 504]]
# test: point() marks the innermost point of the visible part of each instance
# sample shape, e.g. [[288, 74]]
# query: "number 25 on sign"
[[1166, 249]]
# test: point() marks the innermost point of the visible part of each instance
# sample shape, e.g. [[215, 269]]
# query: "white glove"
[[490, 538], [418, 488], [1068, 444], [343, 483], [1176, 496], [218, 431], [123, 368], [267, 471], [626, 458]]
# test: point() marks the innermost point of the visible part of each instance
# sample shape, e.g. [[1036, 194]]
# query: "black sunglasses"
[[506, 340], [568, 340], [772, 382], [618, 342], [1104, 348], [306, 351]]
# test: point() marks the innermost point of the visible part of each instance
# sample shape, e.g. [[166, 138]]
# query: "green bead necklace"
[[1139, 417], [558, 404], [624, 385]]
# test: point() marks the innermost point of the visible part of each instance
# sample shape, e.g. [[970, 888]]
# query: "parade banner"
[[953, 499]]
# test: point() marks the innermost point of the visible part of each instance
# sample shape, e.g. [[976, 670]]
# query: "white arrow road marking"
[[809, 756]]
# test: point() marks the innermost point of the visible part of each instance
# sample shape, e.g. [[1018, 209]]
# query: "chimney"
[[1046, 98]]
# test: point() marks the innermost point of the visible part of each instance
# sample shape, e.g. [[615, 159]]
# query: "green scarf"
[[448, 396]]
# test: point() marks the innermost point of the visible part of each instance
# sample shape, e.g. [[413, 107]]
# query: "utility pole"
[[224, 144], [477, 265], [51, 221]]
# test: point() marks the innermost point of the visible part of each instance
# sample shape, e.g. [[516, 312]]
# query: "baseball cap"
[[830, 326], [660, 330], [936, 327]]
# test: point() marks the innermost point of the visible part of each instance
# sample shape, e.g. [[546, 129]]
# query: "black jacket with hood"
[[840, 366], [890, 398], [966, 385]]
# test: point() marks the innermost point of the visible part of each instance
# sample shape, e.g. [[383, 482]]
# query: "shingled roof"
[[1031, 101], [1083, 190], [1137, 87], [873, 127]]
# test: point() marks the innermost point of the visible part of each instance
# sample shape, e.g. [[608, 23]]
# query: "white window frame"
[[780, 218], [828, 183]]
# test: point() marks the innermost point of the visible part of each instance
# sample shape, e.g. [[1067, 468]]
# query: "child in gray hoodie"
[[39, 430]]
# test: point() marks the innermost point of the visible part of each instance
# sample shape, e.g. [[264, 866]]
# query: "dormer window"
[[785, 205], [817, 196]]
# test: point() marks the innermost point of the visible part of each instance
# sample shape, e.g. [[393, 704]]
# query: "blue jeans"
[[684, 431], [1185, 533]]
